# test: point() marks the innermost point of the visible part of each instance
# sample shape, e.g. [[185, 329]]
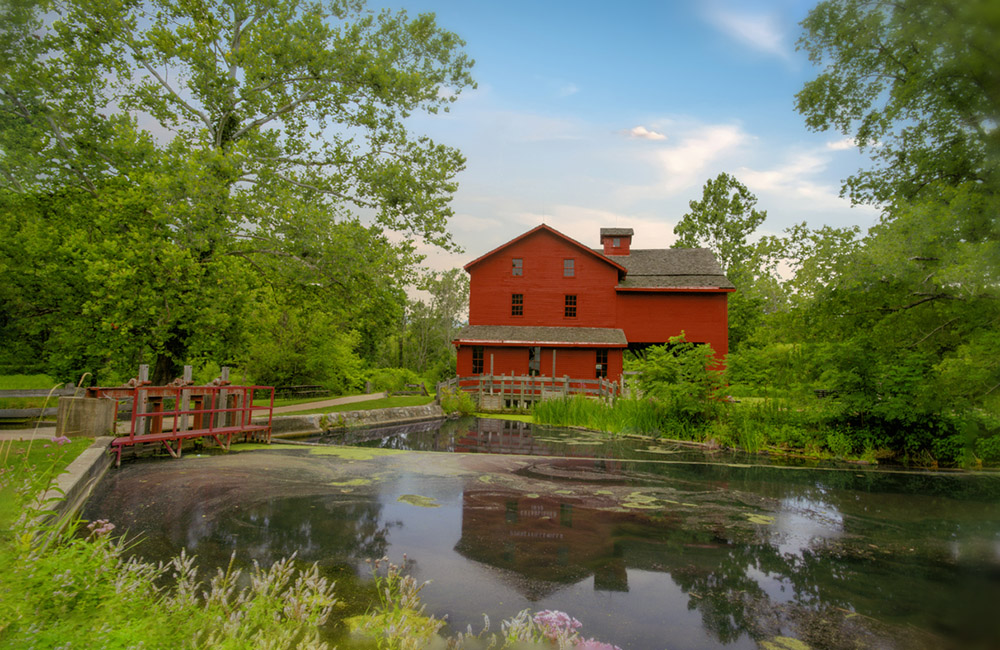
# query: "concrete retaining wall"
[[289, 426], [74, 486], [382, 417], [85, 416]]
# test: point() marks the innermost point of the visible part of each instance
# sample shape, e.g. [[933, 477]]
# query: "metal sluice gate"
[[169, 415]]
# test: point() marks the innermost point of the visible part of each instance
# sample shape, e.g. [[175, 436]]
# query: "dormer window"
[[569, 268], [616, 242], [517, 267]]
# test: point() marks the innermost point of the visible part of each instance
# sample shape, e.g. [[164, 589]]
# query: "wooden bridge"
[[169, 415]]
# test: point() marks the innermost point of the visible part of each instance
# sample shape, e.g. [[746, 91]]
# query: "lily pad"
[[754, 518], [419, 501], [640, 506], [353, 481], [783, 643]]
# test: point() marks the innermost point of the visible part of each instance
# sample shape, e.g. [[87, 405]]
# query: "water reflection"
[[650, 546]]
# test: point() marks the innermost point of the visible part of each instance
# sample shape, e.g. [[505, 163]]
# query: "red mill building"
[[545, 304]]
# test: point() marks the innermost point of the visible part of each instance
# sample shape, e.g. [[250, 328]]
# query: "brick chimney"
[[616, 241]]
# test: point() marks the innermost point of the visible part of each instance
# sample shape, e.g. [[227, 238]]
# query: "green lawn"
[[384, 403], [26, 382], [515, 417], [28, 466]]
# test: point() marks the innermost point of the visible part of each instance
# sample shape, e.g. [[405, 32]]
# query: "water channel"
[[649, 545]]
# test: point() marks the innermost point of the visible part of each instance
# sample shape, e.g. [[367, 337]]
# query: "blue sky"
[[594, 114]]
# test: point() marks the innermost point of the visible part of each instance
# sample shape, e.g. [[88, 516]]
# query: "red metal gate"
[[189, 412]]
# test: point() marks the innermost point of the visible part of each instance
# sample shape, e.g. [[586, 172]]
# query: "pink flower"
[[61, 440], [594, 644], [556, 624], [100, 527]]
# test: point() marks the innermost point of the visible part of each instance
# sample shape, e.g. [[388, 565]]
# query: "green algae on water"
[[419, 501], [760, 519], [352, 453], [351, 482], [784, 643]]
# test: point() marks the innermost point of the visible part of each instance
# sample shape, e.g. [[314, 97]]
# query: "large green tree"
[[915, 307], [723, 220], [232, 130]]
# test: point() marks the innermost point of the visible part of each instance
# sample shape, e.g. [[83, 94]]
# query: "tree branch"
[[173, 93], [290, 106]]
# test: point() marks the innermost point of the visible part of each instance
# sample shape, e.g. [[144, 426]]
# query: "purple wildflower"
[[100, 527], [556, 624], [61, 440]]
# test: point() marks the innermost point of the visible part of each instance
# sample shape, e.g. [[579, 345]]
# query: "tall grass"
[[624, 416]]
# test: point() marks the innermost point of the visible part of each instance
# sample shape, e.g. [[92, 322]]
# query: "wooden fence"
[[496, 392], [20, 414]]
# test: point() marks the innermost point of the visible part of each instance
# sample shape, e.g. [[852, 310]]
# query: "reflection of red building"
[[545, 304], [491, 436], [552, 541]]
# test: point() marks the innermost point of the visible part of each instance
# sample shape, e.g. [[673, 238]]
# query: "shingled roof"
[[672, 268], [527, 335]]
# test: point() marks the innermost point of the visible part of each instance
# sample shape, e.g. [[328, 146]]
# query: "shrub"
[[391, 379], [685, 377], [457, 401]]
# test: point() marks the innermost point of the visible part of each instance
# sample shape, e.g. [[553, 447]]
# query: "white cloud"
[[841, 145], [642, 133], [761, 32], [686, 164], [798, 185]]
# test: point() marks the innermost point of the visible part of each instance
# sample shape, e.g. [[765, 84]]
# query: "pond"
[[649, 545]]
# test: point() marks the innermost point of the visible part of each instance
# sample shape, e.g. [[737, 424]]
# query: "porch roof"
[[515, 335]]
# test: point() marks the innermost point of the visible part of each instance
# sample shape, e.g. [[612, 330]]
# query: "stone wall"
[[301, 425]]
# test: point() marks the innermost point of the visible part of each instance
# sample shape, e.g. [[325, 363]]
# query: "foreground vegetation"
[[80, 588], [685, 396]]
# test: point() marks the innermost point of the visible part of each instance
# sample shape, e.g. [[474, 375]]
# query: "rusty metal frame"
[[235, 420]]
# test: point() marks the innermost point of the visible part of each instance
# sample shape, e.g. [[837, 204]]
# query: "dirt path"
[[337, 401]]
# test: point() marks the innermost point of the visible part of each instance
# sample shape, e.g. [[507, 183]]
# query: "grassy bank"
[[815, 428]]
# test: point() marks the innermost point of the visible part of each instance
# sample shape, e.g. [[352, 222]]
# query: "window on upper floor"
[[569, 267], [616, 242], [517, 267], [601, 369], [517, 304], [478, 357], [570, 310]]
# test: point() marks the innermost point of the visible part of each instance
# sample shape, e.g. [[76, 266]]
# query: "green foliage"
[[397, 621], [457, 401], [685, 377], [914, 84], [119, 248], [390, 379], [641, 416], [301, 344], [721, 221]]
